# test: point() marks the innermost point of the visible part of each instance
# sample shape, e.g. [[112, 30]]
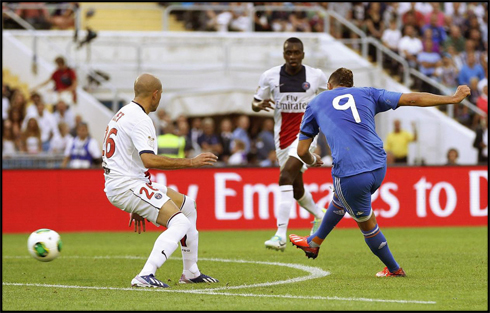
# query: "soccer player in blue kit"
[[345, 114]]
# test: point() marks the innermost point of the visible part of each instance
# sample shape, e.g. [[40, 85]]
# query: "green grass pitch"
[[447, 269]]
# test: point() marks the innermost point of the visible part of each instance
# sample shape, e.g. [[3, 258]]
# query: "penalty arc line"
[[313, 271]]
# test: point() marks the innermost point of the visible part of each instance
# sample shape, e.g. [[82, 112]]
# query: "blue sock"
[[332, 217], [379, 246]]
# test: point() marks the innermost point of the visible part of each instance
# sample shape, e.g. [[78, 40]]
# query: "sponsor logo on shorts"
[[158, 196]]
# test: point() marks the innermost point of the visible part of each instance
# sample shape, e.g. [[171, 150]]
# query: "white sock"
[[307, 203], [286, 202], [166, 243], [189, 244]]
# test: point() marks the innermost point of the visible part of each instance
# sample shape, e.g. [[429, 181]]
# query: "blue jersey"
[[346, 117]]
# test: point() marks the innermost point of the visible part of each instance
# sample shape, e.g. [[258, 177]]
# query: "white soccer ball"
[[44, 244]]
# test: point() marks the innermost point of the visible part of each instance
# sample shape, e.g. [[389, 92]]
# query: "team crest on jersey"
[[151, 141], [306, 85], [158, 196]]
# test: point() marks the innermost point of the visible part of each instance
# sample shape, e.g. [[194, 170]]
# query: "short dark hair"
[[342, 77], [293, 40]]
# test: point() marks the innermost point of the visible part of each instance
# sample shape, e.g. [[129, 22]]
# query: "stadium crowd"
[[445, 41]]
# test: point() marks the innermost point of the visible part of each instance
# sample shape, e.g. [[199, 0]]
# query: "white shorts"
[[144, 199], [284, 154]]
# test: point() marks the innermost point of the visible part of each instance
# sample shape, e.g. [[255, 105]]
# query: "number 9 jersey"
[[346, 117], [129, 134]]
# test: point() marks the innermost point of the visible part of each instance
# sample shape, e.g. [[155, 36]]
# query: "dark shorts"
[[354, 192]]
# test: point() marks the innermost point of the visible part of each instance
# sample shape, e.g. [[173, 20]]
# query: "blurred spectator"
[[280, 19], [397, 141], [64, 78], [183, 131], [78, 121], [18, 101], [60, 141], [457, 10], [31, 137], [475, 93], [438, 33], [239, 20], [456, 57], [410, 46], [455, 39], [447, 73], [481, 140], [343, 9], [470, 48], [63, 113], [82, 151], [161, 119], [209, 141], [9, 145], [34, 13], [196, 131], [240, 133], [475, 35], [391, 36], [239, 156], [16, 117], [170, 144], [64, 17], [265, 140], [374, 26], [482, 102], [452, 157], [483, 82], [299, 21], [413, 18], [261, 22], [270, 161], [436, 16], [5, 102], [225, 138], [427, 35], [428, 61], [470, 70], [463, 115], [45, 119]]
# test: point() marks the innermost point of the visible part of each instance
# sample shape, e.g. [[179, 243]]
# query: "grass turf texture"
[[448, 266]]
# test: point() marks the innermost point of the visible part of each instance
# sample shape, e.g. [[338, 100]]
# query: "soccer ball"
[[44, 244]]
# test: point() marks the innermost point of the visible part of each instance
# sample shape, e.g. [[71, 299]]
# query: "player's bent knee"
[[179, 221], [189, 209]]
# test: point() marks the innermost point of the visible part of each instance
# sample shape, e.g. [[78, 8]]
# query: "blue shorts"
[[354, 192]]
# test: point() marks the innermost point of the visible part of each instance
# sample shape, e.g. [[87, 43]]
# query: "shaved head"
[[145, 85]]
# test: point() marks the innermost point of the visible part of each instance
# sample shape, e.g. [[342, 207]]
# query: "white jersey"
[[291, 94], [129, 134]]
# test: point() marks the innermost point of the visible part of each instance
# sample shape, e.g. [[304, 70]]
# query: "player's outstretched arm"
[[425, 99], [258, 105], [161, 162]]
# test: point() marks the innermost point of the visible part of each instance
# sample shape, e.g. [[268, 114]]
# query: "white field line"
[[211, 292], [314, 272]]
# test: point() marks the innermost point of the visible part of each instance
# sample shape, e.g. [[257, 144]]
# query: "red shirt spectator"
[[64, 78], [482, 102]]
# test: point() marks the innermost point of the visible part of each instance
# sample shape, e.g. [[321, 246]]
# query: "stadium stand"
[[240, 41]]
